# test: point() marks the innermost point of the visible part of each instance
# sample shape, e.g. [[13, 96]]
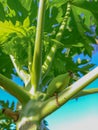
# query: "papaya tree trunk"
[[32, 125], [30, 117], [26, 124]]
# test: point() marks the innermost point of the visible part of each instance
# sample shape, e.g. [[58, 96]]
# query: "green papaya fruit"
[[58, 84]]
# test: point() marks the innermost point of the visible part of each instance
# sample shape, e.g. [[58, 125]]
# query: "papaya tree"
[[38, 42]]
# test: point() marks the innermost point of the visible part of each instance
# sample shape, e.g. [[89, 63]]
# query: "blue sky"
[[81, 114], [76, 113]]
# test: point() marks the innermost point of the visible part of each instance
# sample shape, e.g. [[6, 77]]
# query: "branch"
[[21, 73], [37, 59], [30, 57], [48, 62], [22, 95], [86, 92], [8, 112], [50, 105]]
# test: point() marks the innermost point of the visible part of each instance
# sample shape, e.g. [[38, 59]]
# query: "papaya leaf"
[[50, 19], [2, 13], [6, 122], [91, 6], [6, 67], [13, 37], [57, 42], [85, 69], [27, 4], [7, 104], [26, 22], [86, 4], [81, 29], [82, 61], [57, 3], [19, 10]]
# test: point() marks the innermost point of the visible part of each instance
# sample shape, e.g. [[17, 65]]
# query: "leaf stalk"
[[37, 59], [49, 59]]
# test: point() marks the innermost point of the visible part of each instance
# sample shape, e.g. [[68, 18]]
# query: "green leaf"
[[6, 122], [57, 3], [7, 28], [82, 28], [7, 104], [19, 10], [50, 19], [78, 45], [29, 8], [90, 6], [13, 37], [86, 4], [82, 61], [57, 42], [85, 69], [2, 13], [27, 4], [26, 22], [6, 67]]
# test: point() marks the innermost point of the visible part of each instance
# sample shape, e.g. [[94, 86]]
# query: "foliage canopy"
[[70, 28]]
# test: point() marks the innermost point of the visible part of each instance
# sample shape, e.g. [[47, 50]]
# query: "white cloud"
[[88, 123], [85, 123]]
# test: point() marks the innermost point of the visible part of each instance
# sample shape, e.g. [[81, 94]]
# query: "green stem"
[[14, 89], [63, 97], [64, 22], [30, 56], [86, 92], [28, 125], [21, 73], [49, 59], [37, 59]]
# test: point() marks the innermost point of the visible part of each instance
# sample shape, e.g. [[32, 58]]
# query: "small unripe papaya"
[[58, 84]]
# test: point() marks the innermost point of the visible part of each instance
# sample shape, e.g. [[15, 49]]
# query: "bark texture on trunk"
[[28, 125], [30, 117]]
